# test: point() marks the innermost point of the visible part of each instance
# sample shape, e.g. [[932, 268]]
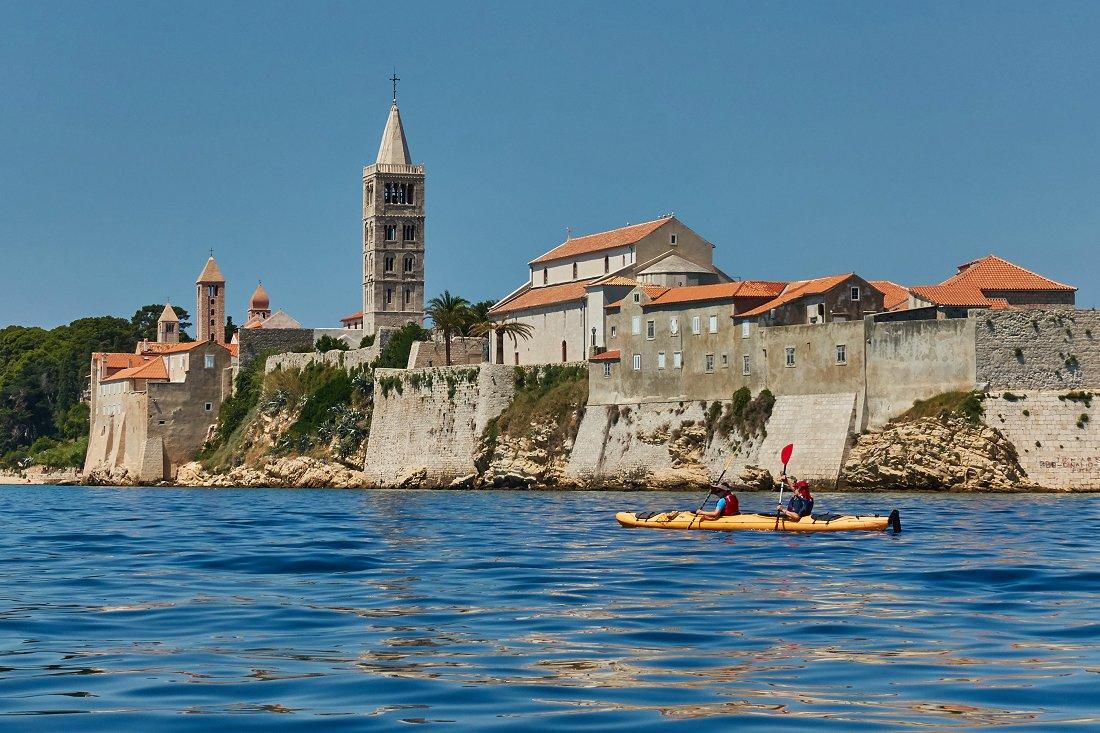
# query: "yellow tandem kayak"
[[763, 522]]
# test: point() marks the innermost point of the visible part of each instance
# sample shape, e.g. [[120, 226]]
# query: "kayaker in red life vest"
[[726, 506], [801, 503]]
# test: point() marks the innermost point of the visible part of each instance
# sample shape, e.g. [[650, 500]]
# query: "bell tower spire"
[[393, 231]]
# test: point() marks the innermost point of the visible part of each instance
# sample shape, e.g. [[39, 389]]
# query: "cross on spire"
[[395, 78]]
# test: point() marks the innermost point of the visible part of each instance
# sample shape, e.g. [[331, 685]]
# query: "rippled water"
[[235, 609]]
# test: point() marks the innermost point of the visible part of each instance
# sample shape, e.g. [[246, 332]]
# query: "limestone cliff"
[[943, 453]]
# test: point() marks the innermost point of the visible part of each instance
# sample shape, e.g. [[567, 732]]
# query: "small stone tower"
[[393, 232], [168, 326], [259, 305], [210, 303]]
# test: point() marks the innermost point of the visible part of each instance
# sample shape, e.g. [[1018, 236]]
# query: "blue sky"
[[894, 139]]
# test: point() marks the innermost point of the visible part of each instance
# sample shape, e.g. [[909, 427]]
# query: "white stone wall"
[[1038, 349], [550, 326], [347, 359], [1053, 450], [634, 444], [426, 436]]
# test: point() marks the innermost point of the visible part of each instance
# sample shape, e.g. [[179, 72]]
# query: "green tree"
[[513, 329], [395, 355], [450, 314], [146, 317], [479, 313], [328, 343]]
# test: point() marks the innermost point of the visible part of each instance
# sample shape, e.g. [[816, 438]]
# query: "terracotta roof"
[[615, 280], [994, 273], [602, 240], [798, 289], [720, 291], [259, 300], [152, 369], [114, 360], [158, 348], [353, 317], [606, 356], [896, 296], [546, 295], [168, 314], [958, 296], [234, 350], [651, 292], [253, 321], [210, 273]]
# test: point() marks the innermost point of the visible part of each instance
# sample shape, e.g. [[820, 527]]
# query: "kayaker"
[[727, 503], [801, 503]]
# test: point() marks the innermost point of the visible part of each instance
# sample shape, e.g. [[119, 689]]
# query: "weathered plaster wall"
[[915, 360], [347, 359], [1055, 446], [1038, 349], [425, 436], [117, 441], [550, 326]]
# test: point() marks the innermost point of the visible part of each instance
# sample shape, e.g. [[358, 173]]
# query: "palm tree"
[[513, 329], [450, 314]]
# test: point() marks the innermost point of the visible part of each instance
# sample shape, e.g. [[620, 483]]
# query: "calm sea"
[[216, 609]]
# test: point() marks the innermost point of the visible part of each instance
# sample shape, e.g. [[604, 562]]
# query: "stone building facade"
[[393, 235], [567, 289]]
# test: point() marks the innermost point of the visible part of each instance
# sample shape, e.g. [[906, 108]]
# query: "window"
[[672, 239], [660, 360], [208, 406], [606, 264], [208, 361], [637, 297], [636, 325], [713, 324], [408, 232], [161, 422], [841, 354], [408, 265], [745, 364], [391, 232], [709, 363], [695, 325], [674, 325], [545, 275], [607, 369], [744, 329], [408, 297], [790, 356], [388, 267], [614, 331], [389, 296], [574, 270], [855, 293], [637, 362], [650, 331], [677, 360], [725, 360]]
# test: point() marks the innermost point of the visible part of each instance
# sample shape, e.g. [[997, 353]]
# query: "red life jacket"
[[731, 507]]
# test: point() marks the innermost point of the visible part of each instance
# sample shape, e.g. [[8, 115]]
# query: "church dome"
[[259, 300]]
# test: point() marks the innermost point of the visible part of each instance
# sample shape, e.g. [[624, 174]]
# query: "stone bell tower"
[[168, 326], [393, 231], [210, 303]]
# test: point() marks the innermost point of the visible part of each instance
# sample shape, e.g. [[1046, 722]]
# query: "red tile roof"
[[353, 317], [114, 360], [896, 296], [798, 289], [152, 369], [157, 348], [957, 296], [606, 356], [543, 296], [602, 240], [651, 292], [720, 291], [994, 273], [234, 350], [615, 280]]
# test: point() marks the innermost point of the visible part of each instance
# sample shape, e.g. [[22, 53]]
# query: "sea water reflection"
[[230, 609]]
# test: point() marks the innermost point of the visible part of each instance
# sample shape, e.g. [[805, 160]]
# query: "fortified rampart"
[[255, 341], [427, 423]]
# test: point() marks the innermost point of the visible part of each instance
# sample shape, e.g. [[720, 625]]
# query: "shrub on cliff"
[[551, 396], [396, 353], [965, 404]]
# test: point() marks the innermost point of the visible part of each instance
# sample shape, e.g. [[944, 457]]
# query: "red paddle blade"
[[785, 454]]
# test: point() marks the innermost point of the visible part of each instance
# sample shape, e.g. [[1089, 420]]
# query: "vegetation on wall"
[[744, 415], [964, 404], [396, 353], [552, 396], [328, 343]]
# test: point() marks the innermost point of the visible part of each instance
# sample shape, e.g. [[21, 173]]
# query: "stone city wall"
[[464, 350], [1056, 438], [1049, 349], [426, 431], [255, 341]]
